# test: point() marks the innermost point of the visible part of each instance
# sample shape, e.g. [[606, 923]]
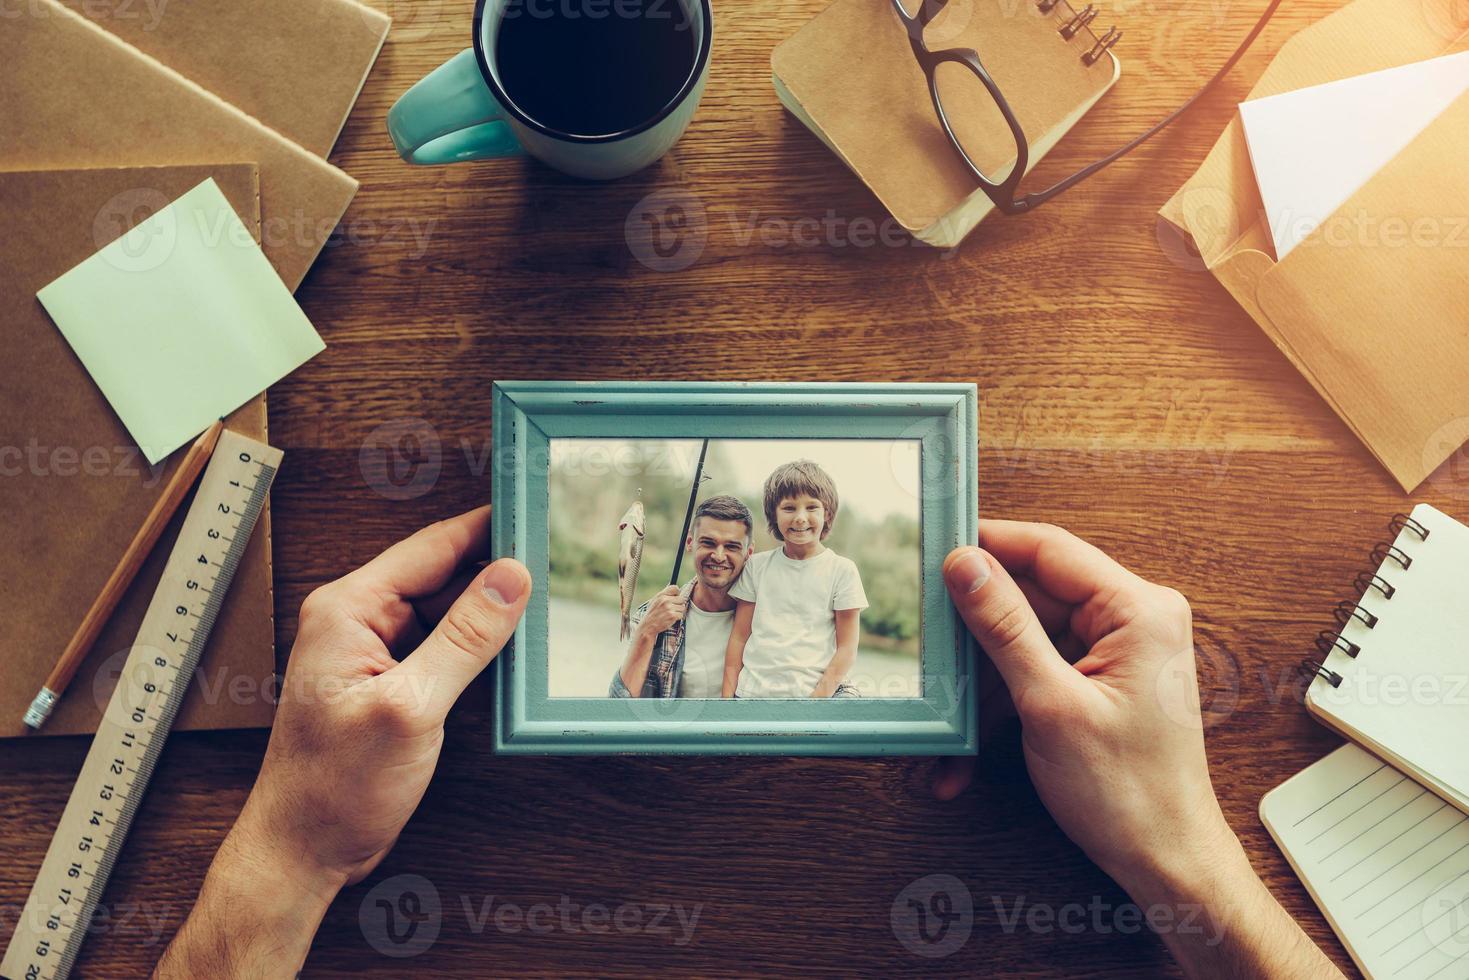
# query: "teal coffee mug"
[[595, 88]]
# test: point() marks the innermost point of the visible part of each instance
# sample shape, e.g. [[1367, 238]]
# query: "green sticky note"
[[181, 320]]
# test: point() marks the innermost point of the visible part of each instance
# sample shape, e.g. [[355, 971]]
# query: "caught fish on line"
[[629, 558]]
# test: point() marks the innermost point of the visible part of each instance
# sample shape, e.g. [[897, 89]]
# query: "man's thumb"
[[998, 615], [473, 631]]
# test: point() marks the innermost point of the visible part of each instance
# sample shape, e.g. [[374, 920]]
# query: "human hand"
[[1100, 666], [665, 609], [1114, 741], [357, 734], [356, 738]]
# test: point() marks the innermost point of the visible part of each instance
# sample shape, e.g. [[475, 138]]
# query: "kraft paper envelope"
[[1372, 306]]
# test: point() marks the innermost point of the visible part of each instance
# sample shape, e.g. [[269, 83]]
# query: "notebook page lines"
[[1391, 861]]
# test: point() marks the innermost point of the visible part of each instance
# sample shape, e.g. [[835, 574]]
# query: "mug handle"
[[450, 115]]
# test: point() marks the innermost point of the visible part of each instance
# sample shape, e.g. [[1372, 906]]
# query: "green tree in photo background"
[[590, 491]]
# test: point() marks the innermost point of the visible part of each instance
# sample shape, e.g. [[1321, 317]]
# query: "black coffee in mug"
[[594, 67]]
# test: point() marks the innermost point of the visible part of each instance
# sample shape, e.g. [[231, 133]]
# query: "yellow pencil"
[[122, 576]]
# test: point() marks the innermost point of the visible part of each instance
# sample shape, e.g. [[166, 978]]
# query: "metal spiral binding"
[[1371, 580], [1100, 48], [1313, 670], [1400, 522], [1328, 640], [1078, 21], [1082, 19], [1382, 551], [1346, 611]]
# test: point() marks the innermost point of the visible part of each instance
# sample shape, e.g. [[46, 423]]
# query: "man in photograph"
[[680, 635]]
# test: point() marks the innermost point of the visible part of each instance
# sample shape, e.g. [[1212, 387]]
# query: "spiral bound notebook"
[[1386, 861], [1394, 675], [850, 77]]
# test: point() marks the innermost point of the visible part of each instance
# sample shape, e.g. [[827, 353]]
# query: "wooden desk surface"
[[1123, 394]]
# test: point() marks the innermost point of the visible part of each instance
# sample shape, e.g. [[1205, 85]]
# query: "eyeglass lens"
[[975, 117]]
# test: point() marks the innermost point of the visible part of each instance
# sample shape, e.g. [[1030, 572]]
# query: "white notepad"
[[1386, 860], [1397, 679]]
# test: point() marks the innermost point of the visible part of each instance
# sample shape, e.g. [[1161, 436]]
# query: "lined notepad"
[[1386, 860]]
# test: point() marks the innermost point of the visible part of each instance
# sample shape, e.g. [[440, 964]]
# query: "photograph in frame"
[[819, 537]]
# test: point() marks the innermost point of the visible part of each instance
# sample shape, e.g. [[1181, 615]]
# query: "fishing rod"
[[688, 517]]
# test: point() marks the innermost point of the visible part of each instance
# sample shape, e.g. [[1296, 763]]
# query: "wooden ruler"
[[132, 731]]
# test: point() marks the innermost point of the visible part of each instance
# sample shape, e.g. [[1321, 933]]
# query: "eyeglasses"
[[962, 65]]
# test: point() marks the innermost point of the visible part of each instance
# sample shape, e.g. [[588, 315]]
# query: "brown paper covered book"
[[77, 96], [73, 486], [216, 80], [296, 65]]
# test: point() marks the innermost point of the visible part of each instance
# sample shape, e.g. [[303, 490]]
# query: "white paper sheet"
[[1314, 147]]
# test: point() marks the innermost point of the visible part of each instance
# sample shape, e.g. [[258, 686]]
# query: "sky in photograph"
[[876, 477]]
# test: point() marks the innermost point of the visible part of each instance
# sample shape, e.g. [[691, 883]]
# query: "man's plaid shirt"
[[665, 668]]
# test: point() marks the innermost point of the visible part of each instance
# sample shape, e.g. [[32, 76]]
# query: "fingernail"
[[970, 572], [503, 582]]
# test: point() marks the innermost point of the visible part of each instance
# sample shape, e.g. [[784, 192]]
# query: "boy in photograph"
[[797, 617]]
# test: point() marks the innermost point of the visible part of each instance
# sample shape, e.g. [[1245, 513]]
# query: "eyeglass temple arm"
[[1035, 200], [917, 23]]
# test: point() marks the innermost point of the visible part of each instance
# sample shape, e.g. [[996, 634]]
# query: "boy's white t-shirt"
[[706, 637], [794, 633]]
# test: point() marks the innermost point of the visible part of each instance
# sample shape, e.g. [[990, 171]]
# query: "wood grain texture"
[[1123, 394]]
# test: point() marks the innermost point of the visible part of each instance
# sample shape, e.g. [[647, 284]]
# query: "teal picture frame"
[[941, 417]]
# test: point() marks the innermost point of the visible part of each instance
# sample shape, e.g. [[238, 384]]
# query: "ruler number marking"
[[154, 749], [67, 915]]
